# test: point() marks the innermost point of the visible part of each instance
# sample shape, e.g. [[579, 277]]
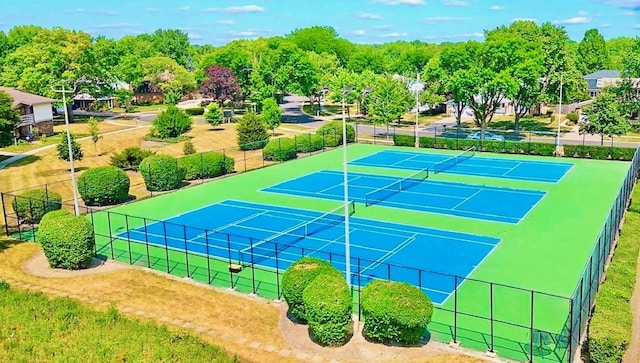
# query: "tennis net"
[[280, 241], [454, 160], [387, 191]]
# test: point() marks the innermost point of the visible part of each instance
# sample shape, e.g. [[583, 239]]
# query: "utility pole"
[[64, 92]]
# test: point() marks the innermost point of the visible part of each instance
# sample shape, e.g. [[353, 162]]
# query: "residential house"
[[86, 101], [36, 112], [605, 78]]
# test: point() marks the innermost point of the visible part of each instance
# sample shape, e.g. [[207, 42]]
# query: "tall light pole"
[[347, 249], [417, 142], [559, 119], [76, 207]]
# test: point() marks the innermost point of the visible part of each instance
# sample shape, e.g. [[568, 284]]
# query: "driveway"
[[292, 112]]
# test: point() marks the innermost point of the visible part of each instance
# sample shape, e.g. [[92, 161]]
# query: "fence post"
[[253, 268], [580, 314], [186, 249], [571, 328], [491, 321], [146, 242], [113, 256], [277, 273], [388, 272], [531, 328], [33, 226], [166, 245], [202, 166], [4, 213], [244, 152], [230, 262], [206, 241], [455, 309], [359, 291], [126, 221]]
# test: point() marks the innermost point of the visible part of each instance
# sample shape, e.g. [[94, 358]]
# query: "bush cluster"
[[610, 328], [195, 111], [161, 173], [332, 133], [104, 185], [171, 123], [509, 147], [130, 158], [599, 152], [31, 205], [327, 301], [67, 240], [395, 312], [308, 143], [206, 165], [280, 149], [296, 278], [573, 117]]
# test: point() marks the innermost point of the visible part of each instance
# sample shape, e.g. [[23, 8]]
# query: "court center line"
[[467, 199], [389, 254]]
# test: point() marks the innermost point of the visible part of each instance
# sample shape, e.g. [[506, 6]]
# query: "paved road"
[[292, 112]]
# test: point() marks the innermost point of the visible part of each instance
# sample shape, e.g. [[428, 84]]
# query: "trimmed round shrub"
[[573, 117], [104, 185], [280, 149], [309, 143], [67, 240], [395, 312], [296, 278], [206, 165], [252, 132], [327, 301], [194, 111], [31, 205], [161, 173], [332, 133]]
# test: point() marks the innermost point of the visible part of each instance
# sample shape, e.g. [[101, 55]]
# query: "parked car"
[[487, 136]]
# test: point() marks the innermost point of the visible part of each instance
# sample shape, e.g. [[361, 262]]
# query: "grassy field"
[[37, 328], [529, 256]]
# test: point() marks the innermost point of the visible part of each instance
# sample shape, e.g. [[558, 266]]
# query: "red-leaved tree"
[[221, 84]]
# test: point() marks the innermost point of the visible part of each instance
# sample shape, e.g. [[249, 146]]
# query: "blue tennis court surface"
[[230, 230], [476, 165], [458, 199]]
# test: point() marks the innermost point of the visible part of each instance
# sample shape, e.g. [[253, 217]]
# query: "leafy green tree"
[[124, 97], [94, 132], [213, 114], [389, 100], [172, 43], [9, 119], [271, 114], [593, 54], [171, 123], [367, 57], [167, 74], [618, 51], [252, 132], [626, 93], [605, 118], [322, 39], [63, 149]]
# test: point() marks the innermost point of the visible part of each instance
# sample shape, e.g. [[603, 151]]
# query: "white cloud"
[[194, 36], [572, 21], [244, 9], [628, 13], [184, 8], [106, 12], [401, 2], [637, 26], [226, 22], [393, 35], [370, 16], [75, 11], [441, 19], [457, 3], [582, 13], [631, 4], [524, 19], [151, 10], [497, 8], [249, 33], [605, 25], [383, 27], [359, 32]]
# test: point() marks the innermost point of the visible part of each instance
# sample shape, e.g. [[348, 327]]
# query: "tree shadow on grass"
[[24, 161]]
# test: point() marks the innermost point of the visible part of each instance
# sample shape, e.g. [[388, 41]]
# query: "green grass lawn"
[[545, 252], [24, 146], [35, 328]]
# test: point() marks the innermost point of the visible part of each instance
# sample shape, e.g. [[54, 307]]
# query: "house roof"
[[606, 73], [24, 98]]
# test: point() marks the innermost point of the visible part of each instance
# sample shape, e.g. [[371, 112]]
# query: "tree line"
[[523, 62]]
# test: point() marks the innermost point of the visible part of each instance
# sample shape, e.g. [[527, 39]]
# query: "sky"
[[218, 22]]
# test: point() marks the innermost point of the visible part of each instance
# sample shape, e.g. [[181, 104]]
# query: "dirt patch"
[[149, 144], [358, 349], [39, 266]]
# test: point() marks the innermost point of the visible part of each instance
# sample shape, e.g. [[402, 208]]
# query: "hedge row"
[[296, 278], [33, 204], [280, 149], [599, 152], [609, 333], [67, 240], [332, 133], [161, 173], [519, 147], [194, 111], [206, 165]]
